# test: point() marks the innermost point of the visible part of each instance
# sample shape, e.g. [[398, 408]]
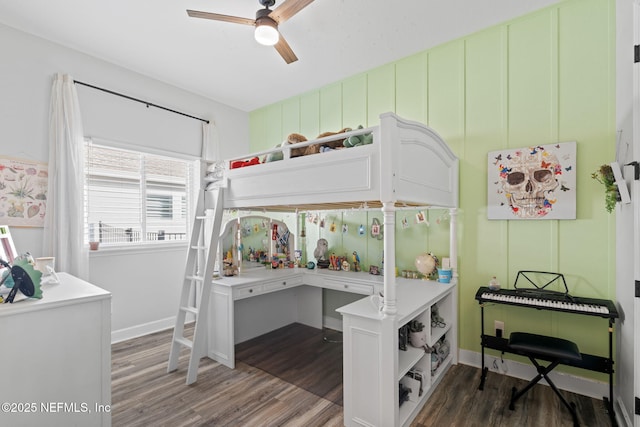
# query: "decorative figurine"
[[321, 249], [333, 262], [356, 261], [320, 253]]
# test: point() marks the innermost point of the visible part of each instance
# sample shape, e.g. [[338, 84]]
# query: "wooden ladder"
[[198, 275]]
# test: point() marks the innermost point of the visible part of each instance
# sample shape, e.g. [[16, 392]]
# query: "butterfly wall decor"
[[534, 182]]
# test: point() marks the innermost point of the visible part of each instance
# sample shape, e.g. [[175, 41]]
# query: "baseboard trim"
[[143, 329], [579, 385]]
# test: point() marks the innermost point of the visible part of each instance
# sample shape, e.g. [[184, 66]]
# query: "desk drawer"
[[275, 285], [346, 286], [265, 286], [248, 291]]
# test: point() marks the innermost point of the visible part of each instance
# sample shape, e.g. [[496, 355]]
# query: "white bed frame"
[[407, 165]]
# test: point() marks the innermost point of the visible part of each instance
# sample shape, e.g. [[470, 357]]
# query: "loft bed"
[[407, 165]]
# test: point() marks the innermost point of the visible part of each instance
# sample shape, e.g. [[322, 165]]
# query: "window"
[[133, 197]]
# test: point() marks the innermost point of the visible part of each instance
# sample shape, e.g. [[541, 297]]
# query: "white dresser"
[[56, 357]]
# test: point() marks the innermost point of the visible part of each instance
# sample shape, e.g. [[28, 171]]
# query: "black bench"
[[555, 351]]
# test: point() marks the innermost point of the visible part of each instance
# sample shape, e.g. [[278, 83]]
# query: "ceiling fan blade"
[[287, 9], [218, 17], [285, 50]]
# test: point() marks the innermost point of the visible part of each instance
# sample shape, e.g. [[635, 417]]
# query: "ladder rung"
[[196, 278], [200, 248], [185, 342], [202, 217], [189, 309]]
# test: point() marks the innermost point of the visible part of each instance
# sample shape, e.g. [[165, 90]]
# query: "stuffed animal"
[[293, 138], [235, 164], [319, 148], [355, 140]]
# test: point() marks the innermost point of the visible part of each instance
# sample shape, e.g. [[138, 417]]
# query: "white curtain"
[[210, 143], [64, 220]]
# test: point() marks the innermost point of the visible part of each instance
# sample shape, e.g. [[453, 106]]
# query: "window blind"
[[134, 197]]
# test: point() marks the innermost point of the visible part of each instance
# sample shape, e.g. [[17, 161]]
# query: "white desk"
[[56, 357], [260, 300]]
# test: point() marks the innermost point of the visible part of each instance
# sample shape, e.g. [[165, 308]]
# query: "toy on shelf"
[[356, 262], [320, 253]]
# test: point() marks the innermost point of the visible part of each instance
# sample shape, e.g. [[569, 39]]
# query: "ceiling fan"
[[266, 23]]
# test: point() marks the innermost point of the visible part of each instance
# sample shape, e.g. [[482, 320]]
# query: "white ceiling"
[[333, 39]]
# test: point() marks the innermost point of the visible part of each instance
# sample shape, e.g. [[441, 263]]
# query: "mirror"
[[253, 240]]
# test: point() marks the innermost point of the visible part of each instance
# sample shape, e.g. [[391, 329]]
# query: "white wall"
[[145, 284]]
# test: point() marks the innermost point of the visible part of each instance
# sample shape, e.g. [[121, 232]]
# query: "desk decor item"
[[417, 334], [47, 266], [426, 264], [320, 253], [356, 261], [444, 275], [21, 276]]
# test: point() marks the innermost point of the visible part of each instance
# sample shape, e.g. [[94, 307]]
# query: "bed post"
[[453, 240], [389, 223]]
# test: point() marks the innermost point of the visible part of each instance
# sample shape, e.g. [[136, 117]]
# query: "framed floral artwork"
[[537, 182], [23, 192]]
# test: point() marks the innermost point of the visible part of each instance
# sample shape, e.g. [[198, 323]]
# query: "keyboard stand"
[[589, 362]]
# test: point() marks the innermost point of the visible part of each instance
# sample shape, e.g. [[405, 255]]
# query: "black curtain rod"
[[148, 104]]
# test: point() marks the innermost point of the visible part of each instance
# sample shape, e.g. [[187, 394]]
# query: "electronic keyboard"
[[548, 300]]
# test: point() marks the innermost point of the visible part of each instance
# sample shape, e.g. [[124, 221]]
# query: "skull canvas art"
[[536, 182]]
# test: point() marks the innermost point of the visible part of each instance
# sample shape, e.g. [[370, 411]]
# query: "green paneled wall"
[[544, 77]]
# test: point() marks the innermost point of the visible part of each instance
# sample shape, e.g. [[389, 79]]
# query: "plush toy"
[[326, 146], [293, 138], [355, 140], [242, 163]]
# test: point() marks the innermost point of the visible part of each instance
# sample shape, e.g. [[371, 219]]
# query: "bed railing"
[[285, 149]]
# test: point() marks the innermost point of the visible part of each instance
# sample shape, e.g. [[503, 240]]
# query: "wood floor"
[[288, 394]]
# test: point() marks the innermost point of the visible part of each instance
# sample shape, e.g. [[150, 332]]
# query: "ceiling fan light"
[[266, 33]]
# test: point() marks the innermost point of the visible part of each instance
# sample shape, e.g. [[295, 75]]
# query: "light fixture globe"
[[266, 28]]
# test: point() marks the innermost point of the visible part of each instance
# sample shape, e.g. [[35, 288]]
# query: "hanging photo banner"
[[537, 182], [23, 192]]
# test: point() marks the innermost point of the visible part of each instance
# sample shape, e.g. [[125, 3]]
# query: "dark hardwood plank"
[[316, 366], [144, 394], [458, 402]]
